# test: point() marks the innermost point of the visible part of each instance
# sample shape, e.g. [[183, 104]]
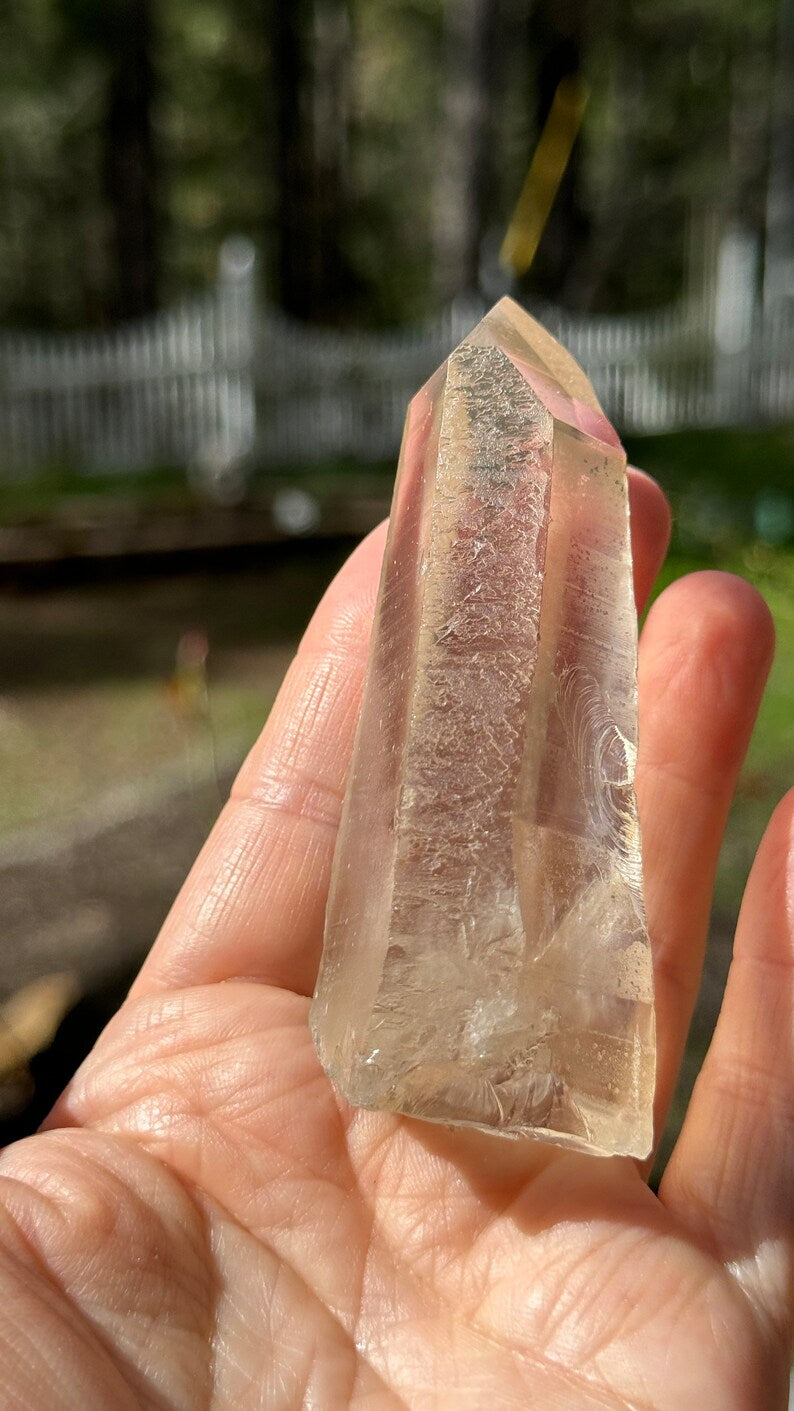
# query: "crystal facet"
[[486, 958]]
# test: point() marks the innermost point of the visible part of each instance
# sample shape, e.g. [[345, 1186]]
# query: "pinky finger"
[[731, 1177]]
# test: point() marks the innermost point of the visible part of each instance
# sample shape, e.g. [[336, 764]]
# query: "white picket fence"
[[174, 389], [222, 383]]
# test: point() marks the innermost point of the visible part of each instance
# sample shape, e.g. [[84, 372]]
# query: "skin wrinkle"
[[286, 1267], [670, 969], [679, 1299], [86, 1328], [401, 1246], [578, 1380], [92, 1089], [195, 1194], [667, 772], [492, 1217], [777, 964], [313, 715], [346, 627], [291, 764], [302, 801], [454, 1193], [201, 1115], [58, 1364], [395, 1259], [710, 1191], [315, 857], [283, 1271], [564, 1272], [218, 1237], [538, 1362], [561, 1298], [748, 1084], [222, 896], [579, 1294]]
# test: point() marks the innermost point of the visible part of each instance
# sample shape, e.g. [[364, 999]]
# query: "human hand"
[[204, 1222]]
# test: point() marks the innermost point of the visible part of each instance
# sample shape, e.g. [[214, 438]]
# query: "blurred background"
[[235, 237]]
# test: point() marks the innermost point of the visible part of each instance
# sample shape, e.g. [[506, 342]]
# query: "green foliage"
[[678, 122], [211, 123], [728, 488], [51, 255]]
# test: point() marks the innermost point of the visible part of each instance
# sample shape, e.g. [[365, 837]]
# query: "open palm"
[[206, 1224]]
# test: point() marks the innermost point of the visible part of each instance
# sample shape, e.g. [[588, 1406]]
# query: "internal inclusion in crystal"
[[486, 958]]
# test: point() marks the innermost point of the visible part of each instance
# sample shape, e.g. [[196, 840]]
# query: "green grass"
[[728, 488], [91, 700], [63, 755], [735, 465], [55, 491], [59, 494], [736, 462]]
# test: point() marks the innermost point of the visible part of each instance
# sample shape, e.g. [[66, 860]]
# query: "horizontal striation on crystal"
[[486, 958]]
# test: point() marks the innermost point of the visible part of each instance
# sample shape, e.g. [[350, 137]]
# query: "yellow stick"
[[546, 171]]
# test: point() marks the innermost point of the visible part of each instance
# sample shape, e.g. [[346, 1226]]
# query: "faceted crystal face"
[[486, 958]]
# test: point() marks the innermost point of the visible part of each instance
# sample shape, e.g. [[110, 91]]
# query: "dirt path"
[[111, 773]]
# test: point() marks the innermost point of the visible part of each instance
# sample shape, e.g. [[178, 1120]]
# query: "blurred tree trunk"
[[779, 252], [465, 164], [130, 158], [311, 56]]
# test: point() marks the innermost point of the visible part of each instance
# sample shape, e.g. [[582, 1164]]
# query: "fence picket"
[[218, 382]]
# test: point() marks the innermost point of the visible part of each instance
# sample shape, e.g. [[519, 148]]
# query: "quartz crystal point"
[[486, 958]]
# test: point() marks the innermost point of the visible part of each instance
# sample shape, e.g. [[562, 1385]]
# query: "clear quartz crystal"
[[486, 958]]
